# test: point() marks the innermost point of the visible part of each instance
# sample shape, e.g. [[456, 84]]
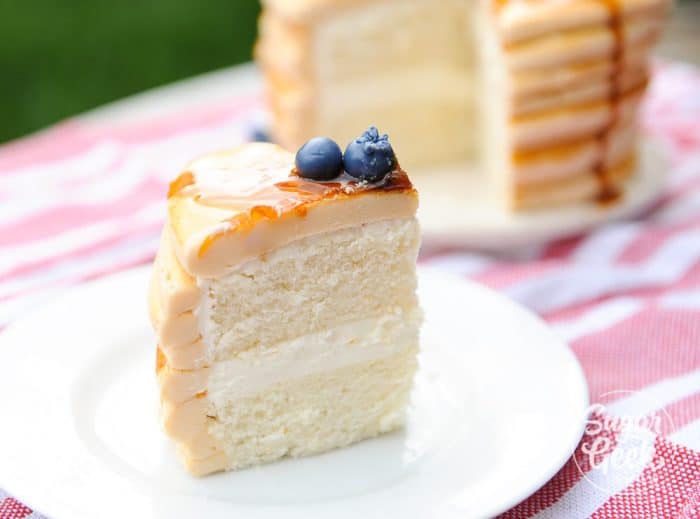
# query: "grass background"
[[62, 58]]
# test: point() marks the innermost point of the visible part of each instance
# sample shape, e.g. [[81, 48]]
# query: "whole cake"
[[541, 94], [283, 300]]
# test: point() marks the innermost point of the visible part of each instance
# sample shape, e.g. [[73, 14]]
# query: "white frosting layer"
[[350, 343], [417, 84]]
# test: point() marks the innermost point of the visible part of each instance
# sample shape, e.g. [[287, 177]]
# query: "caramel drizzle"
[[498, 5], [180, 183], [273, 200], [161, 361], [608, 191]]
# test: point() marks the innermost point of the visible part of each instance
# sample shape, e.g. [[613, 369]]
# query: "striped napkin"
[[82, 200]]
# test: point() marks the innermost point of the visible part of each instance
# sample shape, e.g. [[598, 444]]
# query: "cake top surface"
[[513, 20], [305, 9], [261, 180], [234, 204]]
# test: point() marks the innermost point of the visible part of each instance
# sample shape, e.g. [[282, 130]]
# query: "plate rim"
[[582, 382]]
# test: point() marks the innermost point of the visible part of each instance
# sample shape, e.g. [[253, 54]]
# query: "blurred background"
[[62, 58]]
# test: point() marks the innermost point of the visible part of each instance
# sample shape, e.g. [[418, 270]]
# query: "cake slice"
[[284, 307], [541, 95]]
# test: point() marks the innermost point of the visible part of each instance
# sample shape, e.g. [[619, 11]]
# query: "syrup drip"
[[608, 192], [181, 182], [269, 196]]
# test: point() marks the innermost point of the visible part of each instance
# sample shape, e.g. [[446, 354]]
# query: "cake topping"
[[370, 156], [231, 205], [319, 159], [259, 134], [260, 179]]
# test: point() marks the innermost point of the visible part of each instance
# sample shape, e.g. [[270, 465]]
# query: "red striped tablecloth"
[[81, 200]]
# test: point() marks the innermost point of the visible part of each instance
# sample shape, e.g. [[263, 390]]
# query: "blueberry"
[[370, 156], [319, 159], [259, 134]]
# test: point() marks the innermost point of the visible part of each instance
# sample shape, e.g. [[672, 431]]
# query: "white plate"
[[498, 407], [456, 207]]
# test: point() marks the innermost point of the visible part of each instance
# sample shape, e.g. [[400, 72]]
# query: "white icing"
[[360, 341]]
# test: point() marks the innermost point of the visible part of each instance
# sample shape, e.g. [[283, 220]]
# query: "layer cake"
[[284, 308], [541, 94]]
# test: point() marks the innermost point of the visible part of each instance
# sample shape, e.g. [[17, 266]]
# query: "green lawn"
[[62, 58]]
